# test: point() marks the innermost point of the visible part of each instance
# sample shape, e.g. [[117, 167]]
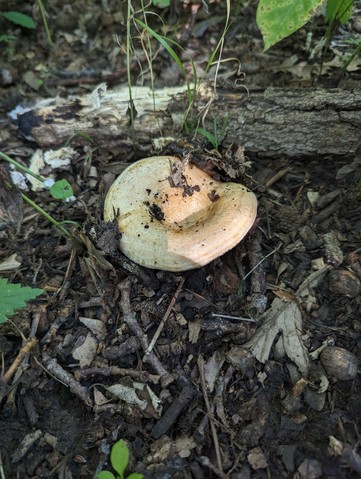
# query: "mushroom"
[[173, 216]]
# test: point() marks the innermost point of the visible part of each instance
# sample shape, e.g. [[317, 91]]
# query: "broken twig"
[[164, 319], [210, 415], [17, 361], [130, 320], [142, 376], [188, 392], [53, 367]]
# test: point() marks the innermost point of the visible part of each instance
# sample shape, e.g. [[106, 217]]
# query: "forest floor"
[[243, 380]]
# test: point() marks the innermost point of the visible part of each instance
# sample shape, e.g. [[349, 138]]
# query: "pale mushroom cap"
[[165, 227]]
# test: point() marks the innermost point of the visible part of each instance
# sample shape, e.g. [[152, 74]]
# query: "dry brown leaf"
[[137, 393], [282, 318], [284, 295], [85, 353], [10, 263]]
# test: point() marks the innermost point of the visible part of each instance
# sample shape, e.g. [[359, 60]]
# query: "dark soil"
[[210, 399]]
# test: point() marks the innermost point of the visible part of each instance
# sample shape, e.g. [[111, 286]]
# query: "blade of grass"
[[220, 43], [149, 56], [164, 44], [128, 55], [45, 22], [52, 220], [352, 56], [20, 167]]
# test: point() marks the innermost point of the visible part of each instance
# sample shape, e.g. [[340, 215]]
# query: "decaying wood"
[[272, 122]]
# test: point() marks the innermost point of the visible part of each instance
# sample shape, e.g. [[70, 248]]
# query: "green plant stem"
[[128, 48], [21, 167], [45, 22], [52, 220], [191, 91], [219, 45], [352, 56], [149, 57]]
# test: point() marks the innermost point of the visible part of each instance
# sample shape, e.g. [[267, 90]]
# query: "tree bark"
[[299, 123]]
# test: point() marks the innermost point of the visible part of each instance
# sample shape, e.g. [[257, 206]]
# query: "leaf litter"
[[285, 317], [258, 410]]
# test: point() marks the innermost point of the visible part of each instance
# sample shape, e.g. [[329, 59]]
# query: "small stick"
[[187, 393], [22, 358], [261, 261], [258, 298], [28, 346], [23, 448], [276, 177], [210, 415], [55, 325], [64, 288], [130, 320], [234, 318], [204, 460], [325, 213], [36, 321], [2, 473], [52, 366], [143, 376], [164, 319]]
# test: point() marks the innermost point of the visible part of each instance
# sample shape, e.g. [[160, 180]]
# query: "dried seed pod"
[[339, 363]]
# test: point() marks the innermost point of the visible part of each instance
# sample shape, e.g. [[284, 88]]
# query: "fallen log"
[[273, 122]]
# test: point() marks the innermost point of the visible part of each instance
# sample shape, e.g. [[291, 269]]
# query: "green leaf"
[[61, 190], [119, 457], [106, 475], [14, 296], [161, 4], [339, 10], [209, 136], [277, 19], [7, 38], [20, 19], [135, 475], [164, 44]]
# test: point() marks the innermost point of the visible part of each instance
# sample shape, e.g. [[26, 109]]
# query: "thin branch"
[[130, 320], [164, 319], [210, 415]]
